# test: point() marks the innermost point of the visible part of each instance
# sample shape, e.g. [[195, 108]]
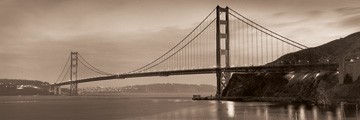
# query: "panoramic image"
[[179, 60]]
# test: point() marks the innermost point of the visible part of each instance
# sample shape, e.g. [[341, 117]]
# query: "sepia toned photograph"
[[179, 59]]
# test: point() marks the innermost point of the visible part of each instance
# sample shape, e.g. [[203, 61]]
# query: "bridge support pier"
[[222, 49], [51, 89], [56, 90]]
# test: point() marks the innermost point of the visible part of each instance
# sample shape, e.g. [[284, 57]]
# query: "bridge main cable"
[[265, 28], [305, 47], [136, 70], [181, 47], [63, 70], [266, 32], [91, 67]]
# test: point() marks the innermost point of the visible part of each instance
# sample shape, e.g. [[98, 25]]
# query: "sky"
[[37, 36]]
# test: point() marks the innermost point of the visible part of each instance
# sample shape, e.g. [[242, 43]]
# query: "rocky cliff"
[[319, 86]]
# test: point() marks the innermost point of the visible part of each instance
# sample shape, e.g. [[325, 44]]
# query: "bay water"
[[161, 108]]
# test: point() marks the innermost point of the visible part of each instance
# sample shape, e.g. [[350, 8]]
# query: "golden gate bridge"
[[223, 43]]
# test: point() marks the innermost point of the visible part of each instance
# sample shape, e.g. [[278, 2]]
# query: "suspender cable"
[[256, 47], [105, 73], [181, 47], [268, 29], [66, 64], [66, 73], [176, 44]]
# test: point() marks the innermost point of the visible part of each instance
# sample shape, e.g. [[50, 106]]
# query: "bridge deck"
[[284, 68]]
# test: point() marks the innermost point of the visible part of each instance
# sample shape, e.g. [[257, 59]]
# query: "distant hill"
[[154, 88], [337, 49], [167, 87], [23, 87]]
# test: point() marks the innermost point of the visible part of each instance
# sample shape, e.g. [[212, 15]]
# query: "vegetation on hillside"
[[333, 51], [319, 86]]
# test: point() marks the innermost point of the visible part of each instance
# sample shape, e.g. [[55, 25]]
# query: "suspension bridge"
[[223, 43]]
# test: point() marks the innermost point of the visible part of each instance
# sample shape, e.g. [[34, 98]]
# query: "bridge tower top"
[[222, 37]]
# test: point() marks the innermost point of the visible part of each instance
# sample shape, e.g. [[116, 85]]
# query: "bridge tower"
[[222, 49], [73, 73]]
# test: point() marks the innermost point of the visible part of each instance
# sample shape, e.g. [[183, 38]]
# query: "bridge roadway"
[[283, 68]]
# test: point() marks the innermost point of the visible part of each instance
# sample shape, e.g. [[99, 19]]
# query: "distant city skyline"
[[37, 36]]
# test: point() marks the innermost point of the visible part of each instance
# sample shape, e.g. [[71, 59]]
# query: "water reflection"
[[338, 113], [302, 112], [170, 108], [266, 114], [315, 112], [230, 108], [290, 109], [261, 111], [329, 115]]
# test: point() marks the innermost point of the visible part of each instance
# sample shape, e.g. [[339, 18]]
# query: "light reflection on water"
[[160, 108], [302, 112], [254, 111], [315, 112], [230, 108], [259, 111]]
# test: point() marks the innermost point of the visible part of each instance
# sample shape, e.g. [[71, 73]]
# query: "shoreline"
[[280, 99]]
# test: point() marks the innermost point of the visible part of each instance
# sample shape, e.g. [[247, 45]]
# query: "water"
[[157, 108]]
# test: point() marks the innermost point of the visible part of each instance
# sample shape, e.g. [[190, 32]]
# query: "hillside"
[[337, 49], [319, 86], [23, 87]]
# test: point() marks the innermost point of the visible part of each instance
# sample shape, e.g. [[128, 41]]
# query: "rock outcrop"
[[319, 86]]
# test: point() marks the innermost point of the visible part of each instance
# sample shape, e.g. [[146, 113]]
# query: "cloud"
[[279, 14], [305, 14], [313, 13], [294, 20], [349, 22], [348, 10]]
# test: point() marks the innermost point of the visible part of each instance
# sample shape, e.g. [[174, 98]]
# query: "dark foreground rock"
[[319, 87], [315, 87]]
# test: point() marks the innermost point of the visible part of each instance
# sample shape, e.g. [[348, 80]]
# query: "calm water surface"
[[158, 108]]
